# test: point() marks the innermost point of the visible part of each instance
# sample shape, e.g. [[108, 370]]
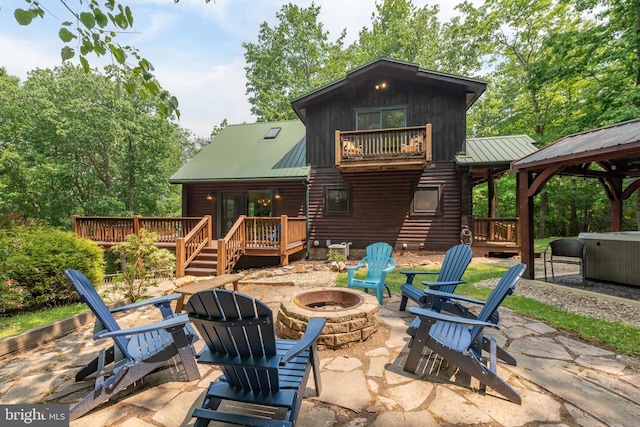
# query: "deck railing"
[[384, 144], [496, 230], [268, 236], [112, 230]]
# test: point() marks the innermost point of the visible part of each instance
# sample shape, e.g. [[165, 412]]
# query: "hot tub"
[[613, 257]]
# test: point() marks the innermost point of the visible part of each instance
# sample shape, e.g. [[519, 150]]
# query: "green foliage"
[[290, 59], [335, 256], [73, 146], [33, 265], [140, 259], [92, 28]]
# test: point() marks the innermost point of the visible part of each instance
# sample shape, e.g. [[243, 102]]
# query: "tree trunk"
[[544, 209]]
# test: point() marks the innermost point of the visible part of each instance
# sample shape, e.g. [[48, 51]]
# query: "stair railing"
[[189, 246], [231, 247]]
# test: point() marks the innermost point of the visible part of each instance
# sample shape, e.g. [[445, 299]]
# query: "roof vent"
[[272, 133]]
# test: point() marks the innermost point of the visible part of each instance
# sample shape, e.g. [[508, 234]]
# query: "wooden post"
[[180, 257], [136, 225], [209, 230], [338, 148], [525, 213], [284, 239], [74, 225], [222, 258]]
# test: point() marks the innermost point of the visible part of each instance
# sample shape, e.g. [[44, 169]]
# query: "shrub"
[[140, 259], [337, 256], [34, 262]]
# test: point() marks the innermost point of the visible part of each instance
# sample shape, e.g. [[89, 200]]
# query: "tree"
[[402, 31], [93, 26], [290, 59], [76, 147]]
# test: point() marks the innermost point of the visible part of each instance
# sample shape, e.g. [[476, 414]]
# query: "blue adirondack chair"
[[136, 351], [461, 341], [264, 378], [379, 263], [454, 264]]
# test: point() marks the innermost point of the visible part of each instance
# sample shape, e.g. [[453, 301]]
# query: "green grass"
[[618, 337], [23, 322]]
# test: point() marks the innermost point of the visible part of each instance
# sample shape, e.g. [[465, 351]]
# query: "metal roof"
[[495, 150], [241, 152], [615, 148]]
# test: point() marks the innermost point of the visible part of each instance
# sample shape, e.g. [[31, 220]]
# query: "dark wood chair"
[[264, 378], [565, 251], [461, 341], [136, 351]]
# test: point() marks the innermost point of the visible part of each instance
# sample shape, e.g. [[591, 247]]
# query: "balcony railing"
[[496, 234], [401, 148]]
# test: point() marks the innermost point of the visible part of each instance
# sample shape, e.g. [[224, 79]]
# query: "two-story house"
[[372, 158]]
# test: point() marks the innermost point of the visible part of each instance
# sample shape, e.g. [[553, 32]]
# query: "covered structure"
[[610, 154]]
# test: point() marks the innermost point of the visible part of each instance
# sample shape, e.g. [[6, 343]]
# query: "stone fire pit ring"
[[352, 315]]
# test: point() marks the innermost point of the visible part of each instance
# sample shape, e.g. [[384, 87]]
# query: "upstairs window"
[[381, 119]]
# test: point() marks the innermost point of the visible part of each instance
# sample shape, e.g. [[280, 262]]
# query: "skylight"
[[272, 133]]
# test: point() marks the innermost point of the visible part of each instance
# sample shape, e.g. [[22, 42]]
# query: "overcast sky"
[[196, 48]]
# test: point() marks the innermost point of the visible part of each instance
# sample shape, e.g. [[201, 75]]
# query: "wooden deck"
[[191, 239]]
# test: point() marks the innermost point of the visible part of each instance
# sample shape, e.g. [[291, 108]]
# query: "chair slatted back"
[[505, 286], [456, 260], [104, 319], [238, 331], [378, 257]]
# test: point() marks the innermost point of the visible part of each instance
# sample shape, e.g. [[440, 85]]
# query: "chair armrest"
[[314, 328], [152, 301], [446, 295], [361, 264], [430, 314], [435, 285], [179, 320]]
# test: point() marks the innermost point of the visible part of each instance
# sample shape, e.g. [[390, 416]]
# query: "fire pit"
[[352, 316]]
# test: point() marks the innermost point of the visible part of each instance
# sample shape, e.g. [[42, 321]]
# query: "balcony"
[[384, 149]]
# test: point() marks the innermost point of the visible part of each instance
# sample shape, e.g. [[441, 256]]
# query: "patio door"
[[236, 203], [232, 205]]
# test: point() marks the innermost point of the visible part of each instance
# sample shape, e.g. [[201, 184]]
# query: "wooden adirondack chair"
[[455, 262], [461, 341], [379, 263], [136, 351], [264, 377]]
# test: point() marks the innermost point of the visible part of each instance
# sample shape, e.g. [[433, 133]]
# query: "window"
[[381, 119], [427, 199], [337, 200]]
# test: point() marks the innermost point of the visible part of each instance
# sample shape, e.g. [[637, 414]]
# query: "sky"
[[195, 47]]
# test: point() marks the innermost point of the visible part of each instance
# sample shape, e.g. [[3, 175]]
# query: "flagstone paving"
[[563, 381]]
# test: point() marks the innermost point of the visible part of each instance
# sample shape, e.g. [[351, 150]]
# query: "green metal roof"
[[495, 150], [241, 152]]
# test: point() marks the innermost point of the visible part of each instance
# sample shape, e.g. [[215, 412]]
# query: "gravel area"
[[575, 297]]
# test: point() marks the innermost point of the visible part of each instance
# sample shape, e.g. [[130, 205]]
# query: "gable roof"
[[241, 152], [496, 150], [615, 148], [407, 70]]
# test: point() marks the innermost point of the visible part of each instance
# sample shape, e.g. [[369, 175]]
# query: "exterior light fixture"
[[278, 196], [209, 196], [380, 86]]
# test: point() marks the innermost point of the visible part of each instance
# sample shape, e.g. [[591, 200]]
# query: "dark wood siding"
[[292, 201], [381, 205], [444, 108]]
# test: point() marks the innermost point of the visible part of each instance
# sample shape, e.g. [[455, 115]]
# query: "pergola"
[[609, 154]]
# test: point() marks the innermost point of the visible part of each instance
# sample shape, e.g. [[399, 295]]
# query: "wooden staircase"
[[205, 263]]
